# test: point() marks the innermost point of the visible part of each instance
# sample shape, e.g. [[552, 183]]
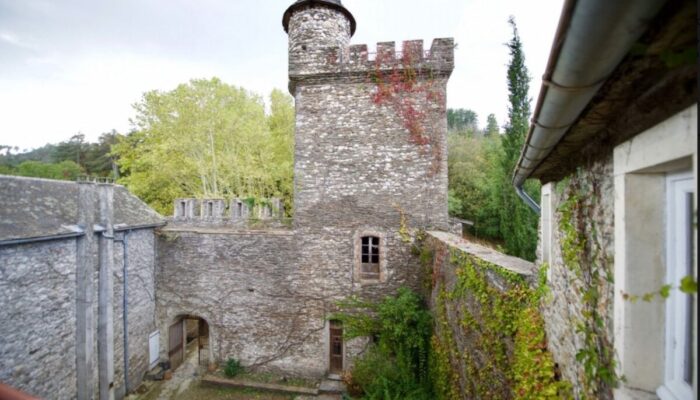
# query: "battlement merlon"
[[356, 63]]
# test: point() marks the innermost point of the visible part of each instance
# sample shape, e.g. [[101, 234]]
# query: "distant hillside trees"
[[207, 138], [462, 120], [65, 160]]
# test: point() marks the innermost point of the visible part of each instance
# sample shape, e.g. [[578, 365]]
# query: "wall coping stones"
[[227, 231], [510, 263]]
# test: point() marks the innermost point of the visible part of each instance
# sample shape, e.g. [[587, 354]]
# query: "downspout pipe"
[[125, 299], [592, 38]]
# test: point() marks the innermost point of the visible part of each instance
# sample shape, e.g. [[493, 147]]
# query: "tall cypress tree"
[[518, 223]]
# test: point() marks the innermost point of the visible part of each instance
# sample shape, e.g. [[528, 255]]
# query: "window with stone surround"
[[654, 206], [370, 256]]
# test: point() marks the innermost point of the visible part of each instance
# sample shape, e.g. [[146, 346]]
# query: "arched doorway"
[[188, 337]]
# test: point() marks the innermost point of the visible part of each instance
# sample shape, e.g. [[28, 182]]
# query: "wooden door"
[[203, 342], [175, 348], [336, 350]]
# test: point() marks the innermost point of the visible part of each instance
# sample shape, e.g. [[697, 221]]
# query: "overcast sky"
[[69, 66]]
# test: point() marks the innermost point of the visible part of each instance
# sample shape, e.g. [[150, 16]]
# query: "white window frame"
[[640, 167], [678, 186]]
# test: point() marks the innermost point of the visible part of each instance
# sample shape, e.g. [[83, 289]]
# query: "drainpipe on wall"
[[125, 315], [105, 325], [592, 38]]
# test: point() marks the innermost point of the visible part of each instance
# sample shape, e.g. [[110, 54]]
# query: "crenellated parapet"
[[357, 63], [219, 211]]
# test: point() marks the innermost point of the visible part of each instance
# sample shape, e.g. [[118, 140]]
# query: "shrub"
[[395, 366], [233, 367]]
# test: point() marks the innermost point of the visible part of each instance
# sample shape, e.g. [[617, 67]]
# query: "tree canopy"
[[208, 139]]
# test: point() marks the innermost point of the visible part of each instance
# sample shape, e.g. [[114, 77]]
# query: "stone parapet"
[[357, 64], [236, 211]]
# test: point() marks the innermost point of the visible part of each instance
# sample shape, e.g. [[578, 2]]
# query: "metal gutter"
[[592, 38], [78, 233], [122, 228], [41, 238]]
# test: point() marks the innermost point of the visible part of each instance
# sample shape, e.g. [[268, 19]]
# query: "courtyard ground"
[[186, 384]]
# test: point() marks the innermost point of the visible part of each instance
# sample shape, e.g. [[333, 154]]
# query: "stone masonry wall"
[[563, 310], [37, 334], [355, 163], [358, 159], [267, 294], [260, 305], [313, 32], [141, 305]]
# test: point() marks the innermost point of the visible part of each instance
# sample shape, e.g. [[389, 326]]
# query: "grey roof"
[[43, 208]]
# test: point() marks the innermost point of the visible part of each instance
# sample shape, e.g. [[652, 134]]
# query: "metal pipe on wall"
[[592, 39]]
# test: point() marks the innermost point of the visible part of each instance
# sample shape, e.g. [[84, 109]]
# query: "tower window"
[[370, 257]]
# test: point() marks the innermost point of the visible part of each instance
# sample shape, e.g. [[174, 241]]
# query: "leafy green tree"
[[492, 125], [518, 223], [462, 120], [474, 177], [207, 138], [73, 149], [98, 159], [65, 170], [396, 364]]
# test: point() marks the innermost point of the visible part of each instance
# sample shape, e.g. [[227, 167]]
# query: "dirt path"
[[183, 376]]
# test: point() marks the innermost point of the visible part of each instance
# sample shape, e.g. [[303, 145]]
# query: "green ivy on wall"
[[505, 354], [592, 275]]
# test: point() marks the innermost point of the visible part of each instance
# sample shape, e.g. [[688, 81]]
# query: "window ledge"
[[626, 393]]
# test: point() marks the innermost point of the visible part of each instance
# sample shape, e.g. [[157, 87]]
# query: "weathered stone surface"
[[140, 305], [563, 311], [37, 333], [33, 207], [510, 263], [49, 290]]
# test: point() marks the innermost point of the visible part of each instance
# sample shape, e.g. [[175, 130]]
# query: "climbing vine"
[[503, 352], [583, 255], [402, 87]]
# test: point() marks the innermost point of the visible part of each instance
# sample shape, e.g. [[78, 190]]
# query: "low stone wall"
[[488, 340]]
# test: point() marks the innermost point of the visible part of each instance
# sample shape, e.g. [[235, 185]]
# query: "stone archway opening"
[[189, 341]]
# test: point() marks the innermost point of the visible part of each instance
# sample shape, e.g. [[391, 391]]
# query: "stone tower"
[[359, 157], [314, 28]]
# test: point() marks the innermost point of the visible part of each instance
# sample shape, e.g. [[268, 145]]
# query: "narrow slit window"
[[210, 209], [370, 257], [182, 208]]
